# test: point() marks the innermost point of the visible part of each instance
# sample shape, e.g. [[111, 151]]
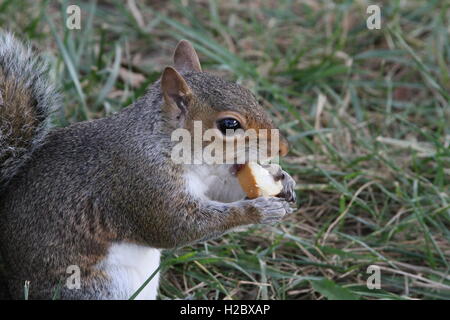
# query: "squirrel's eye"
[[228, 123]]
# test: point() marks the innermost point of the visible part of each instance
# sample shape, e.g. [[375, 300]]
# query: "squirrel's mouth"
[[235, 168]]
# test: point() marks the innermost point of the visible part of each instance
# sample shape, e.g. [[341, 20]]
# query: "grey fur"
[[23, 70]]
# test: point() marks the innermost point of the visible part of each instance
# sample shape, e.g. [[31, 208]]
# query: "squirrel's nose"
[[284, 146]]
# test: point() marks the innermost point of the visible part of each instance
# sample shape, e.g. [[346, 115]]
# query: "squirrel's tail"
[[26, 100]]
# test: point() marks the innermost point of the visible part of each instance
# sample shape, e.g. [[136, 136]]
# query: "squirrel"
[[104, 195]]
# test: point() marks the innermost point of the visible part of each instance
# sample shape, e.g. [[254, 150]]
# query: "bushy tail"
[[26, 100]]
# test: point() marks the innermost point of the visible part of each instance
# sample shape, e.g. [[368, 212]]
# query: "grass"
[[366, 113]]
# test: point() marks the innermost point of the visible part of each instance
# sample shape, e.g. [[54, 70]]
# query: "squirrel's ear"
[[185, 57], [175, 90]]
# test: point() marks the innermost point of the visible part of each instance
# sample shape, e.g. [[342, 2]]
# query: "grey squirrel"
[[104, 195]]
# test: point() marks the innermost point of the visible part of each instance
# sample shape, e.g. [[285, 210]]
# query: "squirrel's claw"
[[288, 191], [270, 209]]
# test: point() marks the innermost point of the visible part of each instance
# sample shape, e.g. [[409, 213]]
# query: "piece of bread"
[[257, 181]]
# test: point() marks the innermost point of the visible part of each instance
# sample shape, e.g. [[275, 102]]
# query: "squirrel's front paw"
[[270, 210], [288, 191]]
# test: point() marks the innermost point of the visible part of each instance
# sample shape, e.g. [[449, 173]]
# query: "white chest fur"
[[129, 266], [213, 181]]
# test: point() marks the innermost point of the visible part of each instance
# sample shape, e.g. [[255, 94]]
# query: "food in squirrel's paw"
[[257, 181]]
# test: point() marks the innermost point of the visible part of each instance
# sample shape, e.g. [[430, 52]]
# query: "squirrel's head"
[[224, 112]]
